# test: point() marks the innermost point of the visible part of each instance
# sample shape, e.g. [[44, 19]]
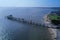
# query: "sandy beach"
[[53, 32]]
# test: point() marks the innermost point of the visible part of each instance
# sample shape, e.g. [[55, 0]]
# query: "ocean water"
[[12, 30]]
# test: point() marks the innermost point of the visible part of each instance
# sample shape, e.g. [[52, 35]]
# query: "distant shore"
[[51, 30]]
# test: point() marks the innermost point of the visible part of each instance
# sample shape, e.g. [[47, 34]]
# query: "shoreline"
[[53, 32]]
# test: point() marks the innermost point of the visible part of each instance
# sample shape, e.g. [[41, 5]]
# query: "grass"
[[54, 17]]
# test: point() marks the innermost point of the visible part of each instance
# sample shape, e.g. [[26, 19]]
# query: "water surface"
[[12, 30]]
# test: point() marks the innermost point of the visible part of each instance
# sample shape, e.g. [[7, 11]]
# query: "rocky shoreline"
[[52, 31]]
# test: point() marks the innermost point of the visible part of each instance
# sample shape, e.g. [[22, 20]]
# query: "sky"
[[29, 3]]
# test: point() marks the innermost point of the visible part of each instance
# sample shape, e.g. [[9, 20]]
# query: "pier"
[[22, 20]]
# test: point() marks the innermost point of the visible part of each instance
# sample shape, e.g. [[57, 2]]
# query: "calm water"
[[11, 30]]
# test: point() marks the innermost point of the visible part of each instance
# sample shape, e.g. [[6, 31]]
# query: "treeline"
[[55, 22]]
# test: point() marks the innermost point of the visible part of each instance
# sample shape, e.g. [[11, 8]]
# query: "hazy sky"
[[29, 3]]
